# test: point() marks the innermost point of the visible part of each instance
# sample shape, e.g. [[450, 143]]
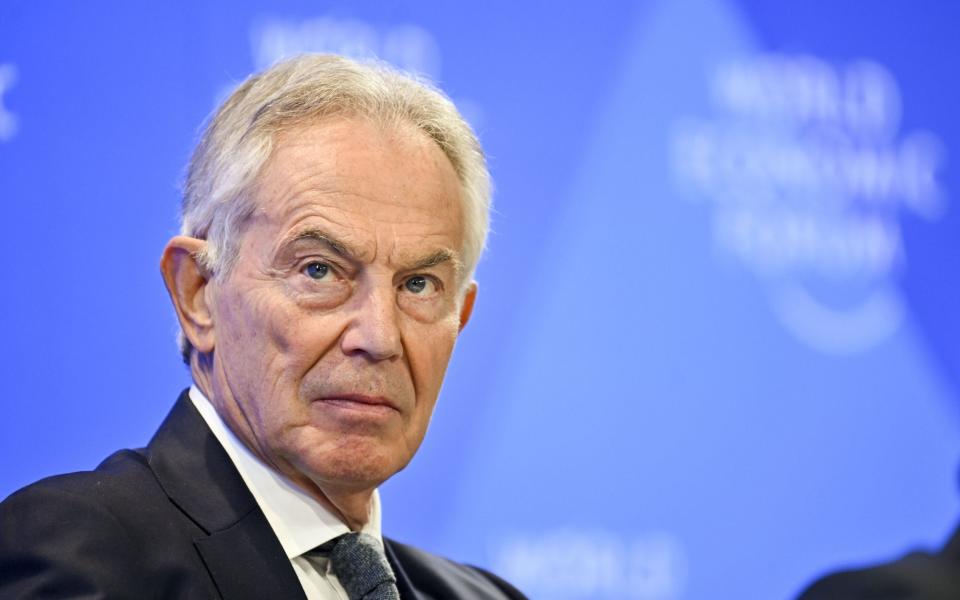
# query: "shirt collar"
[[299, 521]]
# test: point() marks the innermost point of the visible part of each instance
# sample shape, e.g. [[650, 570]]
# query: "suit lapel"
[[404, 584], [244, 563], [243, 556]]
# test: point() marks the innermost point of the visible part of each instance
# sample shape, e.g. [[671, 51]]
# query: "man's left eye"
[[418, 285]]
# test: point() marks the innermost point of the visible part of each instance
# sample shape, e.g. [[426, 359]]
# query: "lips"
[[360, 402]]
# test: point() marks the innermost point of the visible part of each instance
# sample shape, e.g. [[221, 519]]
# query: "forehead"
[[363, 179]]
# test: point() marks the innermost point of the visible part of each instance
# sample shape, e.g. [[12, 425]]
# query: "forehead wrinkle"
[[299, 186], [296, 192], [406, 258], [295, 177], [289, 214], [281, 170]]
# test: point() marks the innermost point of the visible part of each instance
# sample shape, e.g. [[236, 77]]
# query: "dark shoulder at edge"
[[119, 475], [455, 570], [917, 576]]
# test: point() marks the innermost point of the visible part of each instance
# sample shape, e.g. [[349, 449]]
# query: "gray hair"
[[239, 139]]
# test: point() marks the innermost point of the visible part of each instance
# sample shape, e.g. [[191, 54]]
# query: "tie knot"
[[362, 568]]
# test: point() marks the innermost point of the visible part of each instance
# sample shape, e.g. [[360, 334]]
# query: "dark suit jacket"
[[175, 520], [916, 576]]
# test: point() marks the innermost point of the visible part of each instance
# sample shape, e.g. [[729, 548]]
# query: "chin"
[[356, 466]]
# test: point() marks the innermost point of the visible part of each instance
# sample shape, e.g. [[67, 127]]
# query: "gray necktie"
[[362, 568]]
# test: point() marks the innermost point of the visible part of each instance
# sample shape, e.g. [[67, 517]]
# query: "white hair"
[[239, 139]]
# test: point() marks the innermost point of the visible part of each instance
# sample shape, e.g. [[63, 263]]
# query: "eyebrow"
[[318, 235], [431, 260]]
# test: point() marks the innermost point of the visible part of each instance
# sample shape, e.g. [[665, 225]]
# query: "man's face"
[[334, 328]]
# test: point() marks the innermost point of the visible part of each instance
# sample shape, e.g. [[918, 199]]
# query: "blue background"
[[639, 408]]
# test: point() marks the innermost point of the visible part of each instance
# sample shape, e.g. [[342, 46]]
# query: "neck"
[[351, 507]]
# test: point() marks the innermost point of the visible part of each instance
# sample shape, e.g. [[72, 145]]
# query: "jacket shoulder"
[[68, 532], [443, 578], [86, 533], [114, 476], [122, 490], [917, 576]]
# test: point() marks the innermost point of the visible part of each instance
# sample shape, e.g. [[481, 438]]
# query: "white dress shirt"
[[299, 521]]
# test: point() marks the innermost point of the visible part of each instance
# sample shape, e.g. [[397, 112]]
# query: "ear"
[[467, 309], [186, 280]]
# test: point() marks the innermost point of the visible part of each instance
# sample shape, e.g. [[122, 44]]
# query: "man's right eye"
[[317, 270]]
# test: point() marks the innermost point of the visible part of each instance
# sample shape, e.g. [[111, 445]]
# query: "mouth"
[[360, 403]]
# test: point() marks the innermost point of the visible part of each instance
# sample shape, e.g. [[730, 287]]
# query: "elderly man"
[[332, 219]]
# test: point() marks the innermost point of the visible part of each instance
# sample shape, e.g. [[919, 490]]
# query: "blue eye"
[[416, 284], [317, 270]]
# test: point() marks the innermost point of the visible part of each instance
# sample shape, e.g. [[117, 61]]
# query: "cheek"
[[430, 355], [303, 339], [266, 321], [261, 345]]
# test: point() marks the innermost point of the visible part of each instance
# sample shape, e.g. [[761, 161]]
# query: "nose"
[[373, 330]]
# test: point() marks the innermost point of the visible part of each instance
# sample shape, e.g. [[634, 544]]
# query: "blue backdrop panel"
[[715, 350]]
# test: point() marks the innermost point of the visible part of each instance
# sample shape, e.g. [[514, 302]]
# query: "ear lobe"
[[186, 282], [467, 308]]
